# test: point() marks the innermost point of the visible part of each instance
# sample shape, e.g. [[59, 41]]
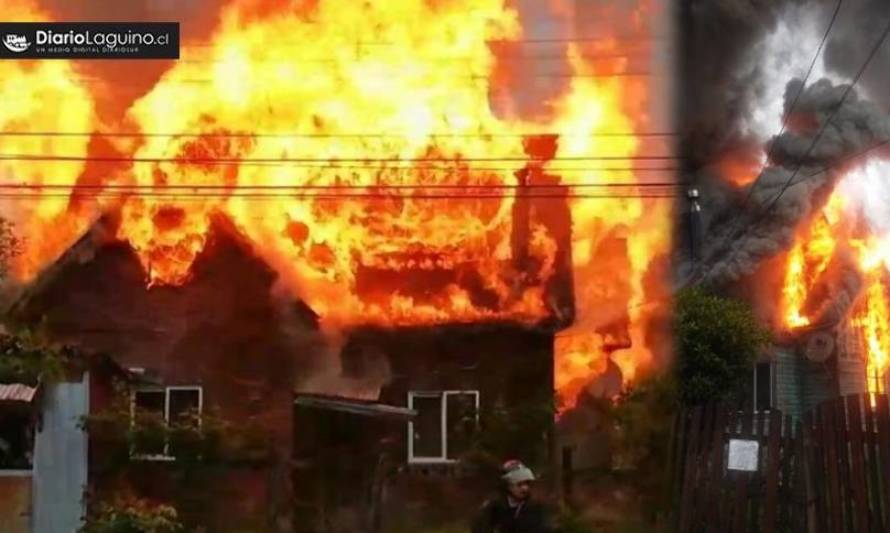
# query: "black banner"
[[89, 40]]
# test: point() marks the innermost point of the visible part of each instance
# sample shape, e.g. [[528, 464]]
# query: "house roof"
[[353, 406], [17, 392], [102, 233]]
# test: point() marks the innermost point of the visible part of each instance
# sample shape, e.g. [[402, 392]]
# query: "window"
[[444, 425], [154, 408], [16, 439], [763, 386]]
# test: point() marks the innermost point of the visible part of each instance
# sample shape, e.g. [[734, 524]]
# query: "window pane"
[[183, 403], [148, 428], [764, 386], [184, 417], [428, 427], [16, 442], [461, 423], [150, 401]]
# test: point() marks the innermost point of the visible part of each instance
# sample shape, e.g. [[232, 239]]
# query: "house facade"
[[222, 346]]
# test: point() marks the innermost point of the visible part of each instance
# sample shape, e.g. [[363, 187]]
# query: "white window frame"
[[443, 395], [166, 390]]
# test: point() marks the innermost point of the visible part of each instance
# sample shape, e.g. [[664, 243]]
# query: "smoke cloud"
[[766, 224], [745, 61], [855, 34]]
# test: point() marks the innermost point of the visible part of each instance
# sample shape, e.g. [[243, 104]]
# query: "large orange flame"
[[874, 321], [355, 143], [42, 96], [808, 261]]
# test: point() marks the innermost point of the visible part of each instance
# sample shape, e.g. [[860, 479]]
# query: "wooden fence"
[[828, 473], [711, 497]]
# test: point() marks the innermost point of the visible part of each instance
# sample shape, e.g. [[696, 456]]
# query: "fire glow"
[[841, 225], [354, 141]]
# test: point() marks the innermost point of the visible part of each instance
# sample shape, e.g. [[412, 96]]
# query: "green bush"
[[132, 515], [717, 340], [24, 360]]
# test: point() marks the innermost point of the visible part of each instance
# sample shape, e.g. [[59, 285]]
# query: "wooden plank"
[[771, 496], [801, 483], [787, 475], [675, 481], [755, 481], [724, 520], [740, 498], [699, 479], [884, 444], [813, 483], [842, 441], [832, 503], [857, 464], [688, 489], [872, 463], [714, 487]]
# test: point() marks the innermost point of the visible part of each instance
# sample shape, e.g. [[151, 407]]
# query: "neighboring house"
[[43, 460], [222, 342], [809, 366]]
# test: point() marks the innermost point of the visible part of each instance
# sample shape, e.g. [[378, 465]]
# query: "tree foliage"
[[25, 360], [717, 341]]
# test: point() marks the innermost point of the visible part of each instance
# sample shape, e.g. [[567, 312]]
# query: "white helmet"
[[516, 472]]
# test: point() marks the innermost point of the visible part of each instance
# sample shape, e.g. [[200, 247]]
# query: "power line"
[[391, 170], [471, 77], [296, 135], [797, 95], [346, 187], [843, 160], [499, 56], [610, 40], [834, 112], [177, 197], [356, 159]]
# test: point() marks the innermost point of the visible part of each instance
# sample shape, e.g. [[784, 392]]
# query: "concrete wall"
[[60, 458]]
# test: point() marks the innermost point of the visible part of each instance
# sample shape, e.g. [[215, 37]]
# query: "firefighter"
[[513, 511]]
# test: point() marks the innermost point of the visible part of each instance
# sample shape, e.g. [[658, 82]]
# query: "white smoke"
[[868, 186], [785, 53]]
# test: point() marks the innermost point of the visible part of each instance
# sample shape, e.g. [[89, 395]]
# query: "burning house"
[[358, 245], [788, 160], [225, 341]]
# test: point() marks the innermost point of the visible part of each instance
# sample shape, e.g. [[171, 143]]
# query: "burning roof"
[[789, 149], [360, 149]]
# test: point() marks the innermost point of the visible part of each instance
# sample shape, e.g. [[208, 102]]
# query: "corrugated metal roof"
[[16, 392]]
